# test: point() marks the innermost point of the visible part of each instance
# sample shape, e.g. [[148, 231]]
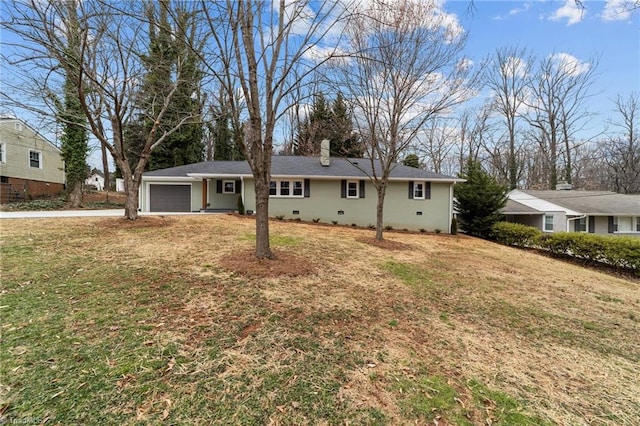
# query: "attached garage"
[[169, 198]]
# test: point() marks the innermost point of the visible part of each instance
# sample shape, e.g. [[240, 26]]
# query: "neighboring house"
[[96, 179], [30, 165], [596, 212], [302, 187]]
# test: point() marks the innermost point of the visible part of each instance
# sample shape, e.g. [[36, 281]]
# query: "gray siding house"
[[302, 187], [596, 212], [30, 165]]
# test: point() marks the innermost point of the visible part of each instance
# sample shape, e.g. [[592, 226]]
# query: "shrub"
[[240, 205], [388, 227], [438, 230], [620, 252], [280, 217], [454, 226], [316, 219], [515, 234], [335, 222]]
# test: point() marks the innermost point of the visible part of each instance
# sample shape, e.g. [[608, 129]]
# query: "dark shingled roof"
[[299, 167]]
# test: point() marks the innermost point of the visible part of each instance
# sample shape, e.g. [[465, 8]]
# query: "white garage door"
[[170, 198]]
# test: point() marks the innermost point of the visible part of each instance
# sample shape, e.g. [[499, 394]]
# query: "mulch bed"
[[245, 263], [385, 244]]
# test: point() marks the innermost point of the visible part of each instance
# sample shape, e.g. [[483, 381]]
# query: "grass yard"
[[169, 321]]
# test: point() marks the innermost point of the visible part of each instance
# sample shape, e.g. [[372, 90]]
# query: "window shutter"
[[592, 224], [307, 188], [219, 186], [411, 190], [343, 188], [611, 224], [427, 190], [361, 189], [238, 186]]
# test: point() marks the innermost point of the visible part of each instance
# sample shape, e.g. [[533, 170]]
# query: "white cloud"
[[569, 64], [319, 53], [570, 11], [517, 10], [616, 10]]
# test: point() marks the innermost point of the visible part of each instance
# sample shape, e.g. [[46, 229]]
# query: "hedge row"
[[620, 252]]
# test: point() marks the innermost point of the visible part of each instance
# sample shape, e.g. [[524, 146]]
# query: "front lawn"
[[105, 322]]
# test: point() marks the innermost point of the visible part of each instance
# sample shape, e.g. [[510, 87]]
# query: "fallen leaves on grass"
[[141, 222]]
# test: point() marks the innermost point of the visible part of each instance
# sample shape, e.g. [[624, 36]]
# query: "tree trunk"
[[75, 195], [131, 205], [381, 190], [263, 249], [105, 167], [131, 186]]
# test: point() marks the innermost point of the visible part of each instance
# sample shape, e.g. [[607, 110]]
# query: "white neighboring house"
[[567, 210], [96, 179]]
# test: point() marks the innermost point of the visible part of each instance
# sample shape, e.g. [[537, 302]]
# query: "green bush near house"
[[619, 252], [240, 205], [515, 234]]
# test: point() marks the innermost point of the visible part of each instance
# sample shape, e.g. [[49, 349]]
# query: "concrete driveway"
[[77, 213]]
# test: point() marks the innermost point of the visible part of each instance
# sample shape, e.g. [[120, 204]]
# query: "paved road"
[[76, 213]]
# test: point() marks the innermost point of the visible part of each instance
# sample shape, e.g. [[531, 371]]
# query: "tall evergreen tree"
[[74, 124], [331, 122], [166, 46], [412, 160], [314, 128], [344, 142], [478, 200]]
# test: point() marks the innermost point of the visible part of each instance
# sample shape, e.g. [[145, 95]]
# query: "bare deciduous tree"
[[623, 151], [109, 67], [260, 57], [506, 76], [557, 101], [403, 68]]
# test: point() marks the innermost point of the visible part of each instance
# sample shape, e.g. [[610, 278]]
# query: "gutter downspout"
[[450, 205], [242, 192]]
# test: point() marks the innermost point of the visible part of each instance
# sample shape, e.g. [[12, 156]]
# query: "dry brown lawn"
[[562, 338]]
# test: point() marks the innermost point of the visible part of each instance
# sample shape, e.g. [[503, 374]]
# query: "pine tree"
[[478, 200], [412, 160], [344, 142], [328, 122], [185, 146]]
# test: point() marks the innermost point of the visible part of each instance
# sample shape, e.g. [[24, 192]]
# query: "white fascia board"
[[218, 175], [539, 204], [317, 177], [167, 178]]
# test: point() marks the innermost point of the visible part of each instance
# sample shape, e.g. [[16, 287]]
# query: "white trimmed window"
[[418, 190], [638, 224], [229, 187], [3, 153], [286, 188], [548, 222], [581, 224], [35, 159], [19, 127], [353, 189]]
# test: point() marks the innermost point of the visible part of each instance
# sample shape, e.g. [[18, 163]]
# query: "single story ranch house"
[[310, 188]]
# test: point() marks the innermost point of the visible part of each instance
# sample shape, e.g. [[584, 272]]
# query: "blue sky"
[[546, 27]]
